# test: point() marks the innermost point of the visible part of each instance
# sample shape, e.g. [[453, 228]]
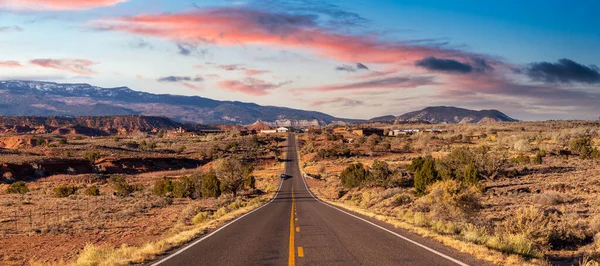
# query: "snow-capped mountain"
[[37, 98]]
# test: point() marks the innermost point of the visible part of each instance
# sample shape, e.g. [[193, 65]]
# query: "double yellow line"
[[292, 257]]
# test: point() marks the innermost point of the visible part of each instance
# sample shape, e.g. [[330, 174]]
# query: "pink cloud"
[[250, 86], [384, 83], [254, 72], [77, 66], [235, 26], [57, 4], [192, 86], [10, 64]]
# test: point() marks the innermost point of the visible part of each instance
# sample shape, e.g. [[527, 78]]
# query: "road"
[[295, 228]]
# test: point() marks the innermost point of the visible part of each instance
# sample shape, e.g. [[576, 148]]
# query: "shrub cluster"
[[379, 175], [63, 191], [19, 187], [121, 186]]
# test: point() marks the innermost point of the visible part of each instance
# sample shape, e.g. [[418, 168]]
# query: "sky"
[[532, 59]]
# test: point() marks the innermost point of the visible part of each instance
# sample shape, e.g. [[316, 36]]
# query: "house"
[[283, 130], [402, 132], [368, 131]]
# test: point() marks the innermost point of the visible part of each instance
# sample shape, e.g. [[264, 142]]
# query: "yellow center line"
[[292, 255], [297, 229], [300, 252]]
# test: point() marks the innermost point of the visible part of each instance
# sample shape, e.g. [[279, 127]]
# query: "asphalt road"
[[297, 229]]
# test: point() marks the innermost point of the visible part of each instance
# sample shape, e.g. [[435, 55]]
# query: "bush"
[[62, 141], [186, 188], [162, 187], [92, 191], [425, 176], [471, 175], [538, 158], [121, 186], [449, 200], [231, 174], [583, 147], [201, 217], [354, 175], [19, 187], [63, 191], [91, 156], [381, 175], [211, 186]]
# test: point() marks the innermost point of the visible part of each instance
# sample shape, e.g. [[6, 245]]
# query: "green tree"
[[380, 174], [425, 176], [211, 186], [231, 174], [354, 175]]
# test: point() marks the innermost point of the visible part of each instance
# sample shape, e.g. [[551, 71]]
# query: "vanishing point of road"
[[295, 228]]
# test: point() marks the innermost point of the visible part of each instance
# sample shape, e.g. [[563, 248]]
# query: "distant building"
[[368, 132], [268, 131], [340, 130], [283, 130]]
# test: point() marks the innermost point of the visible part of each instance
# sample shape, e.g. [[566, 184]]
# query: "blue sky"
[[360, 59]]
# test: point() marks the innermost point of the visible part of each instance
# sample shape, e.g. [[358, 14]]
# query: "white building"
[[283, 130]]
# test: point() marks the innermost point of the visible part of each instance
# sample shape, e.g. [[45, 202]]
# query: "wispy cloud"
[[453, 66], [179, 79], [338, 102], [250, 86], [383, 83], [57, 4], [77, 66], [10, 64], [11, 28], [352, 68]]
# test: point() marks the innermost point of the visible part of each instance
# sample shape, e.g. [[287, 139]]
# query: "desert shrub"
[[63, 191], [62, 141], [449, 200], [187, 187], [249, 179], [425, 176], [538, 158], [380, 175], [121, 187], [583, 147], [521, 159], [551, 198], [92, 191], [471, 174], [162, 187], [201, 217], [91, 156], [211, 186], [354, 175], [416, 164], [19, 187], [531, 222], [147, 145], [522, 145]]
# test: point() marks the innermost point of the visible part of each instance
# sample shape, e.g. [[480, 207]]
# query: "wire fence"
[[58, 215]]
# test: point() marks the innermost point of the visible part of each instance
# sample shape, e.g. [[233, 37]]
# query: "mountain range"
[[449, 115], [36, 98]]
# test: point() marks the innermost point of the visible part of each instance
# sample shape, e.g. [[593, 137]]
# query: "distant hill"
[[454, 115], [36, 98], [385, 118]]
